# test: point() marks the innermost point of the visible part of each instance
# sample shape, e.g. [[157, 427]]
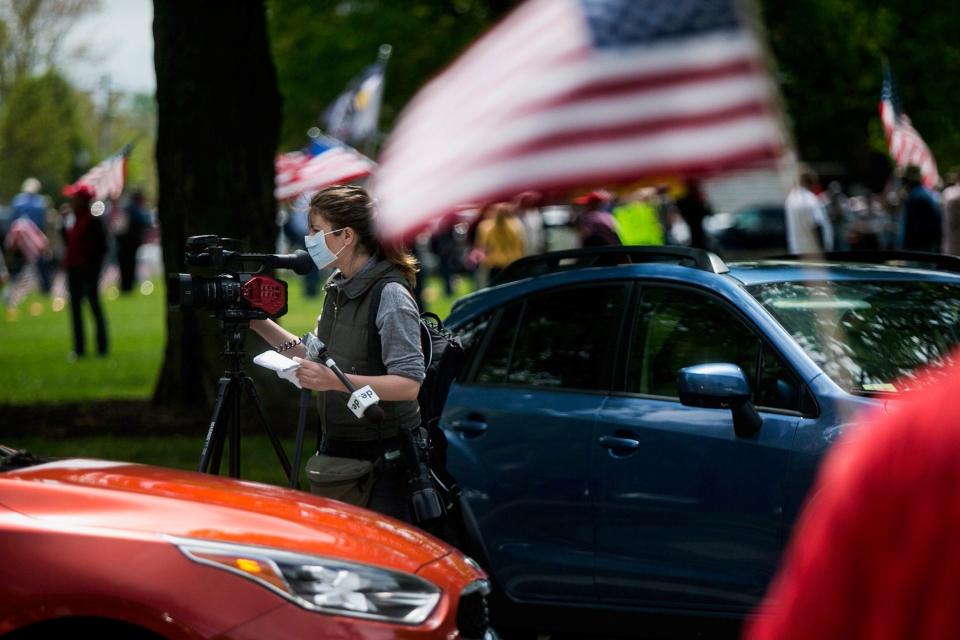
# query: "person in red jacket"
[[876, 552], [86, 248]]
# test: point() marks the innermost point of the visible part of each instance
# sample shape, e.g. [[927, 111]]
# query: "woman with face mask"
[[341, 236]]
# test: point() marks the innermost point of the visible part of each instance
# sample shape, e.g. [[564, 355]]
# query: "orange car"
[[119, 550]]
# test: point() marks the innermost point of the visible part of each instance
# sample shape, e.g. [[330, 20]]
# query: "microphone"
[[363, 402], [299, 261], [316, 350]]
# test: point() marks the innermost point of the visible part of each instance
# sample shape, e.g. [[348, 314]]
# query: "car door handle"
[[613, 442], [469, 427]]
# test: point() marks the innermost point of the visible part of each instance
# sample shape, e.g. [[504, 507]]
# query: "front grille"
[[473, 616]]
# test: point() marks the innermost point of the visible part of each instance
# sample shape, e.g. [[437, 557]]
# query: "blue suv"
[[635, 428]]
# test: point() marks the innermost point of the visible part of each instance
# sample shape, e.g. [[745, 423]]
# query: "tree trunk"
[[218, 120]]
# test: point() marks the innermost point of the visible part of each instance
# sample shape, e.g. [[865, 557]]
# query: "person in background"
[[444, 245], [808, 229], [532, 220], [638, 220], [86, 248], [30, 205], [838, 213], [693, 208], [950, 198], [500, 238], [875, 553], [594, 222], [921, 225], [137, 221], [294, 221]]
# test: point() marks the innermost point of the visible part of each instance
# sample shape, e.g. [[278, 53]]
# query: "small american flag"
[[905, 144], [108, 177], [25, 237], [322, 163], [574, 93]]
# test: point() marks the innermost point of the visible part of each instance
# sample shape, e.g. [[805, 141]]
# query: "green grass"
[[35, 342], [35, 370], [258, 461]]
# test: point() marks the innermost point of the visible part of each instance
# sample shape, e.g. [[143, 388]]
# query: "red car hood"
[[133, 497]]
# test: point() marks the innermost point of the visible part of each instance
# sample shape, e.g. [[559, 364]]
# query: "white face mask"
[[319, 251]]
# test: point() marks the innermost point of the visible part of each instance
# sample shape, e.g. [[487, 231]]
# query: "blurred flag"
[[24, 236], [905, 144], [108, 177], [323, 162], [354, 114], [575, 93]]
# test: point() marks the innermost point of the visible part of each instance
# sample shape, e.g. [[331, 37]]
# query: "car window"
[[495, 361], [564, 339], [676, 328], [470, 335], [870, 337]]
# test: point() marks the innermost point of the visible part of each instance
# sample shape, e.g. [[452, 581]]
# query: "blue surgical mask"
[[319, 251]]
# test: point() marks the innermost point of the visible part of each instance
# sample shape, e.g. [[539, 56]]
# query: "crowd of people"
[[65, 250], [907, 215], [478, 245]]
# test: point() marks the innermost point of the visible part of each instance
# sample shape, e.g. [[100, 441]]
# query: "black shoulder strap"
[[374, 347]]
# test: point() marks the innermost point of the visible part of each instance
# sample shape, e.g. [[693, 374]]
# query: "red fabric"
[[85, 240], [877, 552]]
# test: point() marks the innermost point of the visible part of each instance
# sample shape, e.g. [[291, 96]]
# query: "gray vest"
[[344, 326]]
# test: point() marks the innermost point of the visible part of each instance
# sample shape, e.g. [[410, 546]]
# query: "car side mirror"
[[721, 386]]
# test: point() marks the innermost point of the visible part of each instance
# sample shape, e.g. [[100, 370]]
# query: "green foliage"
[[830, 55], [41, 134], [318, 47]]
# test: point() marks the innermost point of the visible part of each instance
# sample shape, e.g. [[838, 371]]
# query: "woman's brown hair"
[[351, 206]]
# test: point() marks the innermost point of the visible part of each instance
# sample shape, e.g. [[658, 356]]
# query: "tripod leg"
[[234, 425], [209, 443], [298, 446], [274, 440]]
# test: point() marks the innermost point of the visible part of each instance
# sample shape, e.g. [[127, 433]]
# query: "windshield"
[[870, 337]]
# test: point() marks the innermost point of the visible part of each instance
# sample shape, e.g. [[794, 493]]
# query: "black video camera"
[[242, 293]]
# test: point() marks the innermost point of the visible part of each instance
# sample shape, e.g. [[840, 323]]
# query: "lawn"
[[35, 341]]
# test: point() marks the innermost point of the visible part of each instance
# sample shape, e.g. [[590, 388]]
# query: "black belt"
[[370, 450]]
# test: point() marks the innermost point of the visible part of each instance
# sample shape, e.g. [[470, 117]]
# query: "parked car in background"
[[98, 549], [635, 429], [751, 232]]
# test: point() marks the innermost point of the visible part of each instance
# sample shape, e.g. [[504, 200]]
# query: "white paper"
[[284, 366]]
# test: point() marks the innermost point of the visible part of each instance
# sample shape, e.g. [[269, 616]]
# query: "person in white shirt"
[[808, 229]]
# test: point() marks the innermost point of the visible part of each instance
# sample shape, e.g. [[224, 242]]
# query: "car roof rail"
[[921, 259], [556, 261]]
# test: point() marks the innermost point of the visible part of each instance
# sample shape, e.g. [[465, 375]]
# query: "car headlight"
[[323, 584]]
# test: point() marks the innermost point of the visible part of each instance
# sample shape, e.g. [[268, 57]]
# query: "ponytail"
[[402, 260]]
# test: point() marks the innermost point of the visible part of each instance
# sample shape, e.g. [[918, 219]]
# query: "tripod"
[[226, 409]]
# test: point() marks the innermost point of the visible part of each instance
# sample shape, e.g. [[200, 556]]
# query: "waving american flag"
[[108, 177], [323, 162], [905, 144], [573, 93]]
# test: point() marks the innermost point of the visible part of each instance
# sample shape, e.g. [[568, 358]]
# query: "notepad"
[[284, 366]]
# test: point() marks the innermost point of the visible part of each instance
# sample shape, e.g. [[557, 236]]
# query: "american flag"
[[108, 177], [575, 93], [905, 144], [25, 237], [322, 163]]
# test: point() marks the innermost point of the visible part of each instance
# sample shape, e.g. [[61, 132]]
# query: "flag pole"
[[372, 144]]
